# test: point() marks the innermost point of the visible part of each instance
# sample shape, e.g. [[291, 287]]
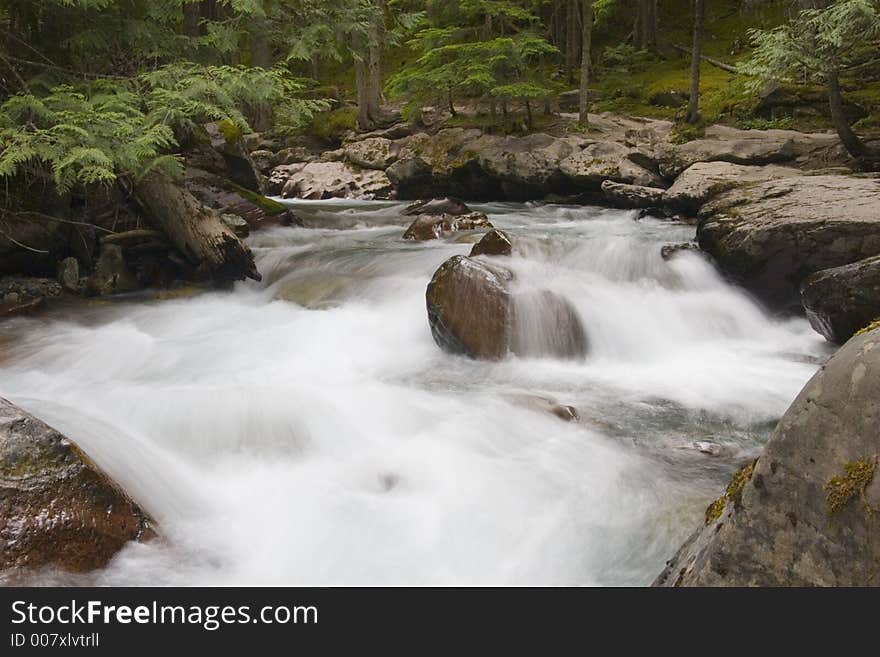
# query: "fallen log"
[[711, 60], [196, 231]]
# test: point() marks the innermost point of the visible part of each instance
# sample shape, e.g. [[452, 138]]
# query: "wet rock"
[[770, 236], [371, 153], [472, 310], [57, 508], [801, 515], [431, 227], [843, 300], [494, 243], [16, 290], [625, 196], [321, 180], [669, 251], [68, 274], [546, 405], [702, 181], [14, 306], [111, 275], [437, 206]]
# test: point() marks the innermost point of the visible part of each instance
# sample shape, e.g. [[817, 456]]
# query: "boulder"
[[227, 140], [804, 514], [472, 310], [702, 181], [321, 180], [431, 227], [621, 195], [599, 161], [437, 206], [494, 243], [751, 147], [770, 236], [57, 508], [526, 167], [264, 161], [371, 153], [292, 155], [842, 300]]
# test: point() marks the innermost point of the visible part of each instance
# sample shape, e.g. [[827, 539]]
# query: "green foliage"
[[817, 42], [624, 59], [331, 126], [759, 123], [91, 133]]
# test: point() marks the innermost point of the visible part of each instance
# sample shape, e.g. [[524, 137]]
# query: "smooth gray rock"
[[770, 236], [802, 518], [842, 300]]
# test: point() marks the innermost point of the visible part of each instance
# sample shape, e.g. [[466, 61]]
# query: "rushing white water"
[[307, 430]]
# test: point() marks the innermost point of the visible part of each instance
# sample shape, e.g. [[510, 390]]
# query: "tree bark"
[[191, 19], [571, 40], [850, 140], [693, 113], [586, 46], [374, 62], [196, 231], [260, 115], [647, 25]]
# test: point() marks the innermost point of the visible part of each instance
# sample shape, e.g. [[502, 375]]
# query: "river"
[[307, 430]]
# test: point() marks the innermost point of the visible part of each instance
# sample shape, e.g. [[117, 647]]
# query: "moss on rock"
[[843, 488]]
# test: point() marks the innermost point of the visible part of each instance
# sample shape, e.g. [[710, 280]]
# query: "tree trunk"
[[647, 25], [260, 115], [850, 140], [195, 230], [191, 19], [586, 45], [571, 40], [693, 113], [374, 62]]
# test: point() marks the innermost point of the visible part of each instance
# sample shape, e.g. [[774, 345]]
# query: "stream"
[[307, 430]]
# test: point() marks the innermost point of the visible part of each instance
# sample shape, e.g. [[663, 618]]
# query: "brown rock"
[[57, 508], [494, 243], [432, 227]]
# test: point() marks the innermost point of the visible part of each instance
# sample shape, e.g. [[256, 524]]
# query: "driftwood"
[[196, 231], [711, 60]]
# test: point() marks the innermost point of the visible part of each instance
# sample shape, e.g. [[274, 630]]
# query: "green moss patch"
[[267, 205], [841, 489], [870, 327], [732, 494]]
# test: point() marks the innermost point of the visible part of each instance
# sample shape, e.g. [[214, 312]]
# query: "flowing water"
[[307, 430]]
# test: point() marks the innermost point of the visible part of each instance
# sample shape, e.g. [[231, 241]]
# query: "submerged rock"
[[111, 274], [494, 243], [472, 310], [770, 236], [57, 508], [842, 300], [432, 227], [805, 513], [546, 405]]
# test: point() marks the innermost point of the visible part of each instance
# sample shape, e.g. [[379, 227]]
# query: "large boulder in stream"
[[770, 236], [494, 243], [842, 300], [703, 181], [473, 310], [57, 508], [323, 180], [805, 513]]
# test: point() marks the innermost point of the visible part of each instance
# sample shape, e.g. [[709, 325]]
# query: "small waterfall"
[[307, 430]]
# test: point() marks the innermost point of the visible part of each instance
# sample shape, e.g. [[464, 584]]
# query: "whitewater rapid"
[[307, 430]]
